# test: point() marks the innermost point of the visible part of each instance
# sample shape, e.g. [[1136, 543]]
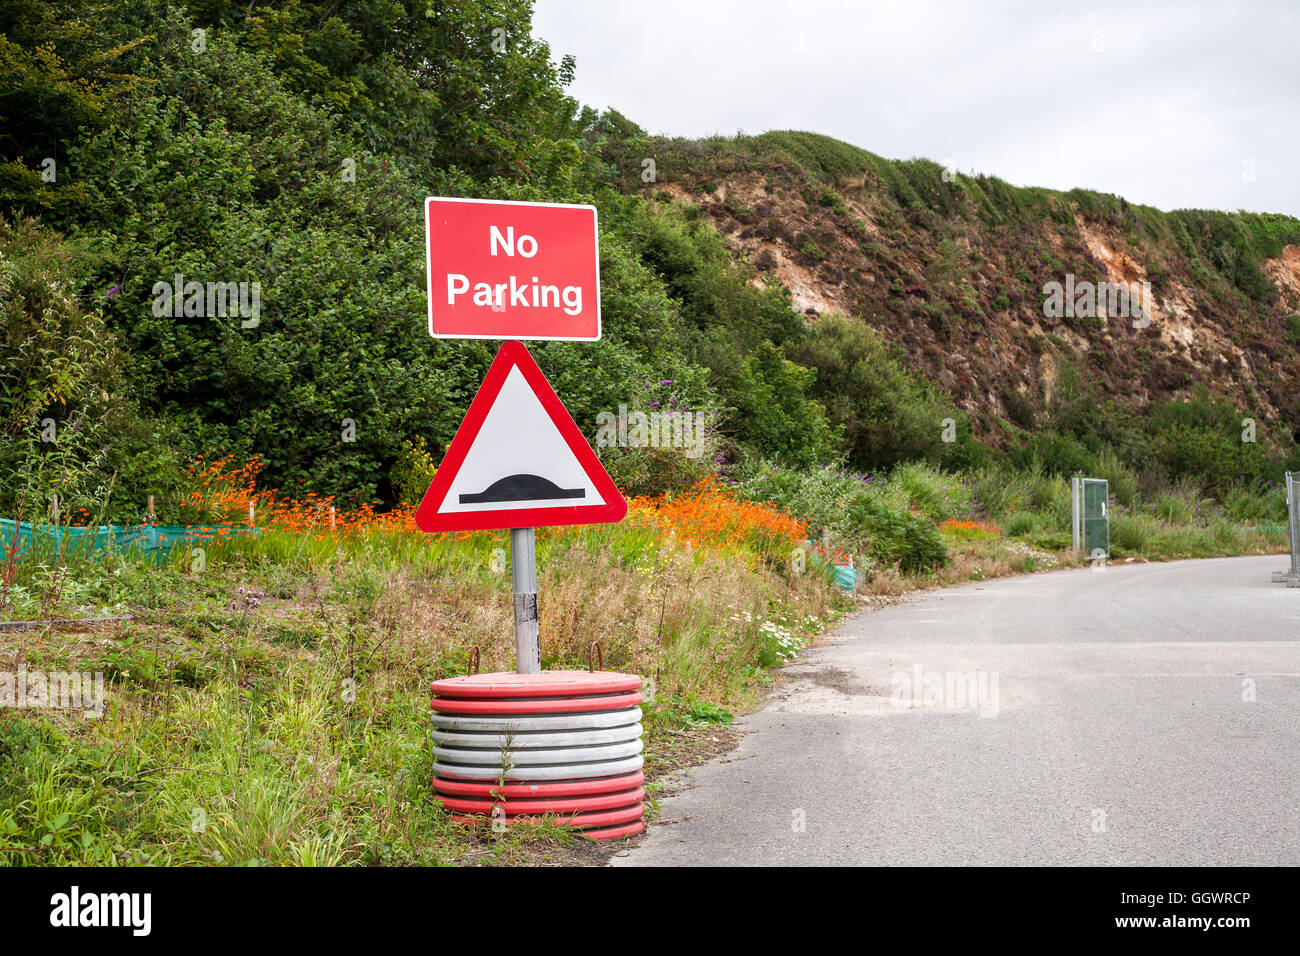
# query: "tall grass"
[[269, 705]]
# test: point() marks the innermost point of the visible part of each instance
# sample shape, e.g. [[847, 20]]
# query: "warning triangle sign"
[[518, 460]]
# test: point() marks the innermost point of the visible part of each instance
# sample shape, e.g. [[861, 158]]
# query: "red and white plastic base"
[[563, 746]]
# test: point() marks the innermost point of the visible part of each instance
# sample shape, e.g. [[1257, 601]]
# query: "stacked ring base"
[[560, 746], [620, 816]]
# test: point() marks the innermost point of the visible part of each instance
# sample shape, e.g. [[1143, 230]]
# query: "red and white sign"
[[518, 460], [512, 270]]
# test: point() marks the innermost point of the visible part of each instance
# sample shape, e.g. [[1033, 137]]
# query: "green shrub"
[[888, 414], [1054, 453], [411, 475], [66, 427], [810, 249], [1257, 503], [937, 495], [1130, 534], [1023, 523], [820, 496], [897, 536], [1002, 492], [775, 417], [1193, 453], [648, 471], [1176, 505], [1123, 481]]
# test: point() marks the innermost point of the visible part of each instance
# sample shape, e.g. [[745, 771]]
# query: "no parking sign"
[[512, 270]]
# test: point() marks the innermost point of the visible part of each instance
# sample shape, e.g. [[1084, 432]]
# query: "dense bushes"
[[269, 157], [222, 169], [1201, 439], [896, 536], [891, 521], [888, 415], [66, 427]]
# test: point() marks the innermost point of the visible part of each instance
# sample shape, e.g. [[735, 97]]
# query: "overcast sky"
[[1179, 105]]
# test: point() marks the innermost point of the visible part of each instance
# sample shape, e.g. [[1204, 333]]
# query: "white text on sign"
[[513, 292]]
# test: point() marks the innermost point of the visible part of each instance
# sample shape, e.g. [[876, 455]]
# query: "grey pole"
[[1076, 509], [523, 573], [1293, 519]]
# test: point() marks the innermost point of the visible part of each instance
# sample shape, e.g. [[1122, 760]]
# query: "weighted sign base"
[[557, 746]]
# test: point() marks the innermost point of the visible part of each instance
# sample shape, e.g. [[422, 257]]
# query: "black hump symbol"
[[522, 488]]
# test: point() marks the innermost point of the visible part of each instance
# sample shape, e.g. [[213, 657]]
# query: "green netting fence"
[[147, 539]]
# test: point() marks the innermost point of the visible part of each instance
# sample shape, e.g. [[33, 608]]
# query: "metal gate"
[[1091, 516]]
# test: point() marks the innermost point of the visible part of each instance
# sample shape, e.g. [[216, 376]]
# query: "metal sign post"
[[1293, 522], [523, 574], [1292, 576], [1076, 514]]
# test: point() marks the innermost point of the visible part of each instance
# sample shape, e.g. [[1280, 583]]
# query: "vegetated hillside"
[[290, 146], [952, 268]]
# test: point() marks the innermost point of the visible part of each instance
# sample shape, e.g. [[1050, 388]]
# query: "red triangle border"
[[511, 355]]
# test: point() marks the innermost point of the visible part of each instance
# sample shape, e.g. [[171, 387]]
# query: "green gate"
[[1292, 575], [1091, 516]]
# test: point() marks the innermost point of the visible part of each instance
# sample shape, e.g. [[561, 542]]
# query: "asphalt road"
[[1142, 715]]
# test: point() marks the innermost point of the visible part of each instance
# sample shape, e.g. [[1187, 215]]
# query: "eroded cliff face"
[[963, 298]]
